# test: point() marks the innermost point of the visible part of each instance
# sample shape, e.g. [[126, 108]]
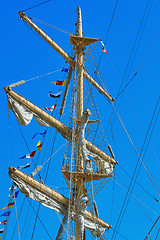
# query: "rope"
[[72, 151], [152, 227], [51, 26], [17, 216], [139, 158], [139, 184], [137, 200], [54, 153], [148, 49], [43, 75], [109, 29], [157, 234], [36, 5], [134, 147], [40, 220]]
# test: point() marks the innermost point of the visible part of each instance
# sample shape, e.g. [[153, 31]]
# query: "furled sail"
[[23, 114], [46, 119], [54, 200]]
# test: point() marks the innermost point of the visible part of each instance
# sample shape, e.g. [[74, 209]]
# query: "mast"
[[69, 59], [79, 67], [79, 177]]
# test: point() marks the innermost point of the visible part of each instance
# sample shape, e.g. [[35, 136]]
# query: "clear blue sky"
[[133, 46]]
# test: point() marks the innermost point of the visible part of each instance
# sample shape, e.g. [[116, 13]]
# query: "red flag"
[[4, 222], [8, 205], [51, 109], [61, 83]]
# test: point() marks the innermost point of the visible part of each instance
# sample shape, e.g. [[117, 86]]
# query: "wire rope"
[[152, 227], [17, 217], [35, 6], [51, 26], [139, 159], [138, 183], [40, 220], [109, 28]]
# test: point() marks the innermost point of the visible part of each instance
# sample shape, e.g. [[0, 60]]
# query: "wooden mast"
[[63, 129], [79, 67], [70, 60]]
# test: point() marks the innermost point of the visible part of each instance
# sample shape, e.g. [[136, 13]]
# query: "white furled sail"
[[23, 114], [54, 200]]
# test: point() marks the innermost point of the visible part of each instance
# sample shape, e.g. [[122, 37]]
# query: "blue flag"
[[6, 214], [14, 195], [65, 70], [43, 134]]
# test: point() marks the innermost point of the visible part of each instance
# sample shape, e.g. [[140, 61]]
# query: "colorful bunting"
[[43, 134], [6, 214], [8, 205], [51, 109], [14, 195], [4, 222], [30, 155], [61, 83], [55, 95], [26, 166], [65, 70], [39, 145]]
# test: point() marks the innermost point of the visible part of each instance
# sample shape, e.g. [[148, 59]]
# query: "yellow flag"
[[39, 145], [64, 82], [53, 82]]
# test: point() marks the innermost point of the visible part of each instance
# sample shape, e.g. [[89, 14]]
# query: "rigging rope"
[[17, 216], [35, 6], [39, 219], [152, 227], [138, 184], [139, 158], [43, 75], [135, 148], [109, 29], [137, 200], [51, 26]]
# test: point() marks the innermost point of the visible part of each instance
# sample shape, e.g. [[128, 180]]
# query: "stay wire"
[[131, 54], [140, 37], [134, 44], [148, 49], [17, 217], [157, 234], [135, 148], [109, 29], [35, 6], [137, 200], [39, 219], [139, 159], [51, 26], [44, 181], [152, 227], [138, 183]]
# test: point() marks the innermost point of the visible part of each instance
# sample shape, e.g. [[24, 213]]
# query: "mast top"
[[79, 22]]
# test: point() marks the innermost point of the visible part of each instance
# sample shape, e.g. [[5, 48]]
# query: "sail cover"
[[45, 199], [23, 114]]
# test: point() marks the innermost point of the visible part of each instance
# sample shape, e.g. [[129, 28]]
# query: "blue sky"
[[133, 46]]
